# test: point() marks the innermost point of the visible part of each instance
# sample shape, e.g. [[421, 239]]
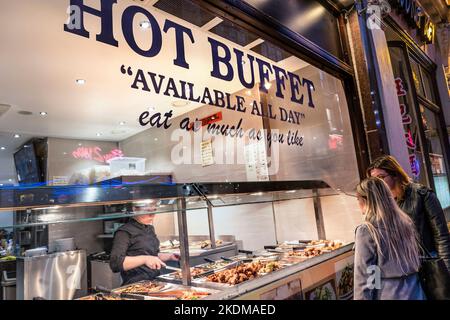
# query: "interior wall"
[[84, 233], [62, 163], [251, 223], [295, 220], [157, 145]]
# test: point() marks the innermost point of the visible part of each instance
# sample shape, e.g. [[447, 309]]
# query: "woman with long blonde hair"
[[386, 249]]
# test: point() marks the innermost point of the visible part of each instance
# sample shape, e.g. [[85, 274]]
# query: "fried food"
[[195, 271], [144, 287], [207, 243], [243, 272]]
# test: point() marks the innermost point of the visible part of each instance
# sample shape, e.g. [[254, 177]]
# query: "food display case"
[[314, 268]]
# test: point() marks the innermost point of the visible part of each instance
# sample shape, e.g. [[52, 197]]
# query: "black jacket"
[[134, 239], [424, 208]]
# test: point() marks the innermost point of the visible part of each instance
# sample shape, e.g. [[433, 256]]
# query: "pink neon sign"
[[95, 153]]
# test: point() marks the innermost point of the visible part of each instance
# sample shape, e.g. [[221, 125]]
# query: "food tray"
[[207, 269], [245, 268], [102, 296], [130, 292], [182, 293]]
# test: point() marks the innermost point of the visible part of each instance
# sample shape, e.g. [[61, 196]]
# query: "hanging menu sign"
[[207, 153]]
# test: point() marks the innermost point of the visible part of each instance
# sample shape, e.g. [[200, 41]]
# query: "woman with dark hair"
[[419, 202], [386, 251]]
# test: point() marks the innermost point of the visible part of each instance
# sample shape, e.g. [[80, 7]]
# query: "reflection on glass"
[[407, 110], [434, 146], [273, 117], [428, 85], [417, 77]]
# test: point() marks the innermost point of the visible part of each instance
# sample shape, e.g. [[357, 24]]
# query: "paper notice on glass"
[[60, 180], [207, 153], [256, 162]]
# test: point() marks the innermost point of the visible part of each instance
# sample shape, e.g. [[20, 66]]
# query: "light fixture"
[[122, 123], [43, 113], [2, 148], [99, 134], [145, 24], [17, 136], [80, 81], [180, 103]]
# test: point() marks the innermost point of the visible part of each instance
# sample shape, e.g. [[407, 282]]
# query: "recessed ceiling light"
[[2, 148], [122, 123], [180, 103], [43, 113], [99, 134], [17, 136], [145, 24], [80, 81]]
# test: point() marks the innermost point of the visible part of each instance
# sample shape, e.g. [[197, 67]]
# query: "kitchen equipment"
[[56, 276], [8, 284], [24, 237], [172, 268], [101, 273], [66, 244], [36, 252]]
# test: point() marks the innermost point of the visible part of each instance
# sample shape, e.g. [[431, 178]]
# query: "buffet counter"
[[267, 276]]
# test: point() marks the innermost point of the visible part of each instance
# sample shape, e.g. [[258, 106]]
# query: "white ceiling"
[[39, 64]]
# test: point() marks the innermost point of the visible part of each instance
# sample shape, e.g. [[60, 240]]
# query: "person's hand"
[[154, 262], [175, 257], [169, 256]]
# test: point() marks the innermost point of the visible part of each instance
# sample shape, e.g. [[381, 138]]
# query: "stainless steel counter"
[[57, 276]]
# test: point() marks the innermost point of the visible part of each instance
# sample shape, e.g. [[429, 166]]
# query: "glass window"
[[415, 69], [434, 146], [411, 130], [428, 85], [170, 92], [308, 18]]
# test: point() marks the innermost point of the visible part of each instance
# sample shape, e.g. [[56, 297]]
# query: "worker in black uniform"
[[135, 252]]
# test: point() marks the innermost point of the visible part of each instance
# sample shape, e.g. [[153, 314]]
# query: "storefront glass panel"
[[110, 110], [434, 145], [121, 103], [404, 93]]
